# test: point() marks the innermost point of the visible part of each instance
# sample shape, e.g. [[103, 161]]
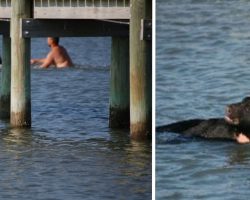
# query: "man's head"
[[52, 41]]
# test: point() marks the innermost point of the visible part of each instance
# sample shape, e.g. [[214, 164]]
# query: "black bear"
[[234, 126]]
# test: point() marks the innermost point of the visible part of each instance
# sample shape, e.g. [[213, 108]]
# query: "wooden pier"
[[74, 9], [128, 22]]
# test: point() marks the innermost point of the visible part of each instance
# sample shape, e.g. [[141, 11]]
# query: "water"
[[70, 153], [203, 64]]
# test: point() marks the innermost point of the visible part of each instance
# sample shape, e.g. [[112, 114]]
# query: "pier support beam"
[[119, 97], [5, 79], [140, 72], [20, 69]]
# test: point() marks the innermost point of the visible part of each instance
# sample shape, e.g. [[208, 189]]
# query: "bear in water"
[[234, 126]]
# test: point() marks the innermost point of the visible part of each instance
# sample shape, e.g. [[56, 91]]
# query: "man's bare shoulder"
[[58, 49], [50, 54], [54, 49]]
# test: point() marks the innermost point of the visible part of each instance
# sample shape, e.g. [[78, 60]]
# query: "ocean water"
[[70, 152], [202, 64]]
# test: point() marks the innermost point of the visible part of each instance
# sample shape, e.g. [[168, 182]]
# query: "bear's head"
[[239, 113]]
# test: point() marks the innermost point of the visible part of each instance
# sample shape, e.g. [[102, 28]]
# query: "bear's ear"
[[246, 99]]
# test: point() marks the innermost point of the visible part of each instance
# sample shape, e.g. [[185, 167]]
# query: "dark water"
[[70, 153], [203, 64]]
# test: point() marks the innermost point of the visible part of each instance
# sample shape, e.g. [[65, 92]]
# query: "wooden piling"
[[119, 86], [140, 72], [5, 79], [20, 70]]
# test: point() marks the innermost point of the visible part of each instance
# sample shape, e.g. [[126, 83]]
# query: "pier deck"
[[74, 9]]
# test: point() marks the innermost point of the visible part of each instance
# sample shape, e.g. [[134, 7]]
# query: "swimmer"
[[58, 55]]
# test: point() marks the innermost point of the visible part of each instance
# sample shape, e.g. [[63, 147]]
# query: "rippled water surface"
[[70, 153], [203, 64]]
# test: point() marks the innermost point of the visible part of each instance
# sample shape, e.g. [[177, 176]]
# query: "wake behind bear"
[[234, 126]]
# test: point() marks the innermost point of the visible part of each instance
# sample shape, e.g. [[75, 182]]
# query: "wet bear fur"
[[236, 121]]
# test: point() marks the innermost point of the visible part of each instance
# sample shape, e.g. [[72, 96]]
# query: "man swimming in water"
[[58, 55]]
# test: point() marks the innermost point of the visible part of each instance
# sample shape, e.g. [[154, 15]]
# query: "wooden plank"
[[73, 28], [74, 12], [4, 27], [82, 12], [82, 3], [5, 12]]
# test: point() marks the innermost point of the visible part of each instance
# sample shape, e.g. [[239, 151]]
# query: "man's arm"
[[49, 60], [37, 60]]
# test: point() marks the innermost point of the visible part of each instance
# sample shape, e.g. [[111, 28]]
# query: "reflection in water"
[[137, 159], [49, 166], [135, 156], [18, 136], [239, 155]]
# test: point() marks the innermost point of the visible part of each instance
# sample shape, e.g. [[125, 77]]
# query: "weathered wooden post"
[[119, 97], [20, 61], [5, 79], [140, 72]]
